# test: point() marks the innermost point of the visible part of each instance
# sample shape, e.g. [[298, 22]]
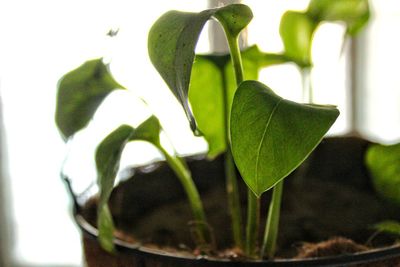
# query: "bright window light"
[[44, 39]]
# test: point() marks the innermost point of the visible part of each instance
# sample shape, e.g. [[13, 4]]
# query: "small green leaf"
[[172, 41], [383, 163], [296, 30], [355, 13], [390, 227], [108, 155], [271, 136], [80, 92], [148, 131]]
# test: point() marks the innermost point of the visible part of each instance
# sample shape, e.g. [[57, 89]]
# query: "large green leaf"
[[384, 164], [172, 41], [296, 30], [212, 76], [80, 92], [355, 13], [108, 155], [271, 136]]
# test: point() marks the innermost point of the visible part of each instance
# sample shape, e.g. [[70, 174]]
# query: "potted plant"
[[258, 136]]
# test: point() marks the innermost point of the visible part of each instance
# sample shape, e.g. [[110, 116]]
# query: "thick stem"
[[272, 224], [203, 236], [253, 224]]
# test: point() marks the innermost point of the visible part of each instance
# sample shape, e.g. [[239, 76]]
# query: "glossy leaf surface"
[[108, 155], [172, 41], [296, 30], [271, 136], [355, 13], [384, 164], [80, 92]]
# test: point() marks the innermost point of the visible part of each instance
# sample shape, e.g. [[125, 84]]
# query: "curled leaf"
[[354, 13], [108, 155], [79, 94], [172, 42], [296, 30]]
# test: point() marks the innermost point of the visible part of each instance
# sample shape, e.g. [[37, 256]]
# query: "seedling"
[[261, 134]]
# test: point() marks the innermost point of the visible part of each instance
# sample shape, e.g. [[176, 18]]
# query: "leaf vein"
[[262, 140]]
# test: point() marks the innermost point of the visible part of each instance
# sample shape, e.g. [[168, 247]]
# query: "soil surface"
[[330, 197]]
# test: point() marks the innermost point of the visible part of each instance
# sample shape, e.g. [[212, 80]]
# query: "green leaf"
[[172, 41], [148, 131], [355, 13], [271, 136], [383, 163], [80, 92], [212, 76], [296, 30], [206, 98], [108, 155], [390, 227]]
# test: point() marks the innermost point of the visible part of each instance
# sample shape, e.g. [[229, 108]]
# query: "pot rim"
[[370, 256]]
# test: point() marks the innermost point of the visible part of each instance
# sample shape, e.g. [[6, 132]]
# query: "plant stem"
[[236, 58], [308, 96], [233, 198], [272, 224], [203, 236], [253, 224], [230, 169]]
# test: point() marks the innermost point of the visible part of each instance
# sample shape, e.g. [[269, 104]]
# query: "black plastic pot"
[[335, 159]]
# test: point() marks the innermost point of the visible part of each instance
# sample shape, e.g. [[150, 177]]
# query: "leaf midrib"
[[262, 140]]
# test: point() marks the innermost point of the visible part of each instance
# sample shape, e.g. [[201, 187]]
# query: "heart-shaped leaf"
[[296, 30], [172, 41], [80, 92], [108, 155], [384, 164], [355, 13], [271, 136]]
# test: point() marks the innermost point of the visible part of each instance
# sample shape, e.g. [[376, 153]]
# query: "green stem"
[[230, 174], [236, 58], [230, 169], [272, 224], [233, 198], [203, 236], [253, 224], [308, 96]]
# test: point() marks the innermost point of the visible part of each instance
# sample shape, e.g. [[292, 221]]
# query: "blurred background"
[[42, 40]]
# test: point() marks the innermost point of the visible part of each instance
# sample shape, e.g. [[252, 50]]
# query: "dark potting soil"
[[329, 196]]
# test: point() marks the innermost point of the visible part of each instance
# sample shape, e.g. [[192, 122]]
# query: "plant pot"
[[329, 195]]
